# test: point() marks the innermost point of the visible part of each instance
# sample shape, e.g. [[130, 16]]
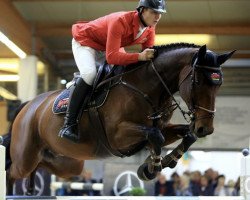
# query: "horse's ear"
[[202, 52], [224, 57]]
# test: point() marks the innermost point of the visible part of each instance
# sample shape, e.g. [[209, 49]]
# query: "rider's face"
[[151, 17]]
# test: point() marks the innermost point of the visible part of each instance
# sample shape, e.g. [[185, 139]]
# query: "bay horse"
[[136, 114]]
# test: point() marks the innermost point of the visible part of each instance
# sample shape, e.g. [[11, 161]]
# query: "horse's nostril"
[[200, 131]]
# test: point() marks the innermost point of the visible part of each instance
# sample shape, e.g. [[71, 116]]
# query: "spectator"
[[236, 191], [176, 181], [184, 189], [187, 173], [206, 189], [212, 177], [230, 186], [163, 187], [221, 189], [195, 178]]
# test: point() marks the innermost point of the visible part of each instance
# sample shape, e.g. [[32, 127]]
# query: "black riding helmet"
[[156, 5]]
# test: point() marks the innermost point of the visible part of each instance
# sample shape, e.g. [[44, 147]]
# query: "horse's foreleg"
[[153, 135], [183, 131], [134, 135], [171, 159], [149, 169], [156, 140], [60, 165], [174, 132]]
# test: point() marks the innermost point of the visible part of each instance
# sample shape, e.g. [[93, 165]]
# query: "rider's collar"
[[142, 20]]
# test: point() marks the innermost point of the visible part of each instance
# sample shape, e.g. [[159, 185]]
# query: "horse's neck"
[[169, 66], [144, 79], [172, 66]]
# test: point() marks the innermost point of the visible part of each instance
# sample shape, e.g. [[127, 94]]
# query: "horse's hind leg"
[[25, 155], [31, 184], [24, 165], [9, 183], [60, 165]]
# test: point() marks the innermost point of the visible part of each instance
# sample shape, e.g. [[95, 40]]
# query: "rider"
[[109, 34]]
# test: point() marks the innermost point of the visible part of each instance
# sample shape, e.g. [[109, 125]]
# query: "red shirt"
[[113, 32]]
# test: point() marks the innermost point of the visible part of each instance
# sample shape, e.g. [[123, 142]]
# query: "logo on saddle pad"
[[63, 103], [98, 97], [62, 100]]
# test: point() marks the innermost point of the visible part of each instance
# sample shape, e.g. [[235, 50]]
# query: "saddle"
[[97, 97]]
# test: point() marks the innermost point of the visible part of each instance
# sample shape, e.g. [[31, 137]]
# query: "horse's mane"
[[173, 46], [163, 48]]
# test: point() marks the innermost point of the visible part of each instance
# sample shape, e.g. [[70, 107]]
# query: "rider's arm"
[[122, 50], [113, 53]]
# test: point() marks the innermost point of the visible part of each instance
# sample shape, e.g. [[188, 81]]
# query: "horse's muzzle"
[[203, 131]]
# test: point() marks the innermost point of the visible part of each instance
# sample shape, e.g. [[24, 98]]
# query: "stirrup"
[[64, 133], [65, 128]]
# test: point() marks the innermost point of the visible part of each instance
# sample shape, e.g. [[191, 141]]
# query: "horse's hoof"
[[167, 161], [30, 193], [158, 168], [144, 174]]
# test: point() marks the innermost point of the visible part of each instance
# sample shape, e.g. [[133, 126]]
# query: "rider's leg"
[[85, 60]]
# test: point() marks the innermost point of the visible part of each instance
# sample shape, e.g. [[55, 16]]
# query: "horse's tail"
[[7, 138]]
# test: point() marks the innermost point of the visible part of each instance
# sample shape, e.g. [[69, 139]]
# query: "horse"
[[135, 115]]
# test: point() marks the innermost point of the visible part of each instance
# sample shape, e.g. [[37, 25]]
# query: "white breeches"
[[87, 59]]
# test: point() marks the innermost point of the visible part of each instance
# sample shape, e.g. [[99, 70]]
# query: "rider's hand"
[[147, 54]]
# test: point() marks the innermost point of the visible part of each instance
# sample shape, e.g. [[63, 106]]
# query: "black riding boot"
[[77, 94]]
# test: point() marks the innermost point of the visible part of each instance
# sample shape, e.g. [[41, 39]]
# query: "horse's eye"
[[199, 79]]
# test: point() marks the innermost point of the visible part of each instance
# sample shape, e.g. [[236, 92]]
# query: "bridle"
[[193, 106], [191, 71]]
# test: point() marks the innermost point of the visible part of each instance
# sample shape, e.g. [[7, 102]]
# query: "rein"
[[157, 113], [184, 113], [162, 111], [118, 76]]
